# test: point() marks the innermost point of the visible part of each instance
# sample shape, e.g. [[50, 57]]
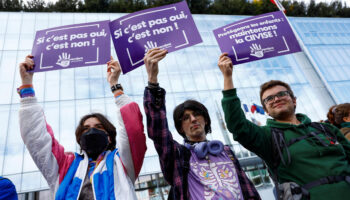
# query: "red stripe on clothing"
[[134, 128], [64, 159]]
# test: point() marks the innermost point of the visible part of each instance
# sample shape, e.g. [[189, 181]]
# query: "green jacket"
[[310, 160]]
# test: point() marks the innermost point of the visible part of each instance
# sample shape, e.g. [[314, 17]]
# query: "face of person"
[[93, 122], [279, 103], [193, 125]]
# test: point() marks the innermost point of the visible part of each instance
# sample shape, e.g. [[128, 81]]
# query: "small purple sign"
[[256, 38], [168, 27], [72, 46]]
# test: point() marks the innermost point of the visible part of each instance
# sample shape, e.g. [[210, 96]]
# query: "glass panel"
[[4, 116], [3, 23], [67, 84], [52, 88], [14, 145], [14, 25], [7, 72], [31, 181], [67, 125]]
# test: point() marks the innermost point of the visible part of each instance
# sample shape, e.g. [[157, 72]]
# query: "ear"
[[294, 101], [346, 119]]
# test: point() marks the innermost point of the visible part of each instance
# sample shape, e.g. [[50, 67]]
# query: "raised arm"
[[253, 137], [131, 139], [37, 135], [157, 123]]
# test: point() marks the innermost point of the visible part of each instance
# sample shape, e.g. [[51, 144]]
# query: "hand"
[[255, 50], [63, 60], [28, 64], [151, 60], [225, 65], [113, 71]]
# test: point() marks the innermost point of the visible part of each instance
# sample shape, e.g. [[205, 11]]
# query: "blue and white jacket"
[[114, 176]]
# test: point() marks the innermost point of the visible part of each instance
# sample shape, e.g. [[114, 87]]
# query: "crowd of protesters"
[[305, 159]]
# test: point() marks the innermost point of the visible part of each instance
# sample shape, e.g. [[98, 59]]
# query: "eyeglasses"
[[271, 98]]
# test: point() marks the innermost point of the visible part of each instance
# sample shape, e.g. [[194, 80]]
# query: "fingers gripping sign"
[[113, 71], [24, 67], [225, 65], [151, 59]]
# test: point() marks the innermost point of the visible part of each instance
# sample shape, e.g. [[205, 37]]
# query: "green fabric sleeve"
[[253, 137]]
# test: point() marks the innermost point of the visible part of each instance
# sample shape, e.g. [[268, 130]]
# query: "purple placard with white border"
[[72, 46], [256, 38], [168, 27]]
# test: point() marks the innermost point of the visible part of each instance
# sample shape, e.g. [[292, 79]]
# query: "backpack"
[[7, 189], [279, 144]]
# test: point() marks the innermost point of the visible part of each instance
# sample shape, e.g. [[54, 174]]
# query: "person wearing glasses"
[[307, 160], [197, 169]]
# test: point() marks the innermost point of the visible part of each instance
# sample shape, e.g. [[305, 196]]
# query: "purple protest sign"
[[72, 46], [169, 27], [257, 38]]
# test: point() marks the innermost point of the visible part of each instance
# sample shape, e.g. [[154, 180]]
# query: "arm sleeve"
[[131, 139], [158, 130], [37, 135], [253, 137]]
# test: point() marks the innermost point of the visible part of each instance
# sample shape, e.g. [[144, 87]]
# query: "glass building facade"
[[319, 79]]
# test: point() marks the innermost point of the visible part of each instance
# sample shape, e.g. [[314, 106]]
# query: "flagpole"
[[308, 55]]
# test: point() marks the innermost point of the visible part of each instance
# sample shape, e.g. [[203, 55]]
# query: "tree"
[[35, 6], [13, 5], [198, 6], [67, 5], [96, 5], [296, 9]]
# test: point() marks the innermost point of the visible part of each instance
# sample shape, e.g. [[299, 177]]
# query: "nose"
[[193, 118]]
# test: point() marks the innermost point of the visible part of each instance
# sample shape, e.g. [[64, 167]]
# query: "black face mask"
[[94, 142]]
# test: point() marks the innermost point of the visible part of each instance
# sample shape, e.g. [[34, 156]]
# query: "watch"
[[116, 87]]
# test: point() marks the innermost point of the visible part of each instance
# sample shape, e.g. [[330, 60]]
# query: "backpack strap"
[[331, 136], [278, 144], [346, 133]]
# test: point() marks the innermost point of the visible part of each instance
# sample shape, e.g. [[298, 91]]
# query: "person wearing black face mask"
[[94, 142], [103, 168]]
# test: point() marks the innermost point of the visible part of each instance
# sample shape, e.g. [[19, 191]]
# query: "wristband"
[[26, 91], [116, 87], [118, 94]]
